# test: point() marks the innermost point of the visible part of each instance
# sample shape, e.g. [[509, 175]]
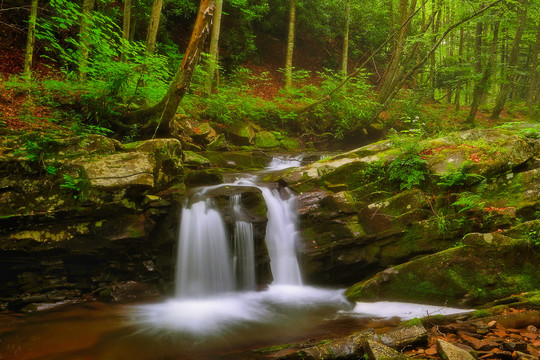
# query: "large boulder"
[[486, 267]]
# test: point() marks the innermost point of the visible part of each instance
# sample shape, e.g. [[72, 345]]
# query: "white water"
[[204, 266], [281, 234], [405, 311], [208, 273], [285, 162]]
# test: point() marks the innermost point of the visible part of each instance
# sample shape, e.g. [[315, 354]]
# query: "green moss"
[[481, 314], [275, 348], [266, 140]]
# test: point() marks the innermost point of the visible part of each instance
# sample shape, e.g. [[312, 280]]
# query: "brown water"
[[104, 331]]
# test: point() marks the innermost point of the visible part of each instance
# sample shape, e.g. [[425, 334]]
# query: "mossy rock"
[[202, 178], [192, 158], [488, 267], [266, 140]]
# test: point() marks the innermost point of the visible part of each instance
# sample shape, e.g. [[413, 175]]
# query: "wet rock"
[[451, 352], [348, 347], [378, 351], [202, 178], [193, 159], [405, 335]]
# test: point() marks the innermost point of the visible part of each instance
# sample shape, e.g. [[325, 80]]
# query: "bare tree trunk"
[[460, 60], [153, 26], [513, 61], [534, 72], [214, 44], [478, 90], [84, 34], [30, 39], [394, 66], [290, 45], [126, 24], [433, 59], [162, 113], [345, 59]]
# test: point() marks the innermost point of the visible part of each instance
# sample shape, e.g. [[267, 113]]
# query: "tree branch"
[[359, 70]]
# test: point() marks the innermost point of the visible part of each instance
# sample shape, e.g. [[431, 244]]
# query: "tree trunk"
[[534, 72], [84, 34], [345, 59], [153, 26], [432, 59], [394, 66], [160, 115], [30, 39], [126, 24], [214, 44], [460, 62], [290, 45], [512, 62], [478, 90]]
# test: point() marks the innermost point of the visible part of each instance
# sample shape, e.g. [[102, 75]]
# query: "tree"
[[290, 45], [345, 58], [482, 84], [84, 34], [153, 26], [126, 24], [512, 62], [30, 39], [405, 11], [533, 83], [214, 45], [158, 117]]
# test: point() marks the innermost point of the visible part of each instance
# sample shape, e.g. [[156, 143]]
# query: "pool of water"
[[225, 327]]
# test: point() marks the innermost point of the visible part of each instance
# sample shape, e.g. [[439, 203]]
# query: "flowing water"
[[216, 312]]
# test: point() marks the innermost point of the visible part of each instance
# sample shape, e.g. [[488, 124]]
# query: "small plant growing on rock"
[[80, 186], [460, 177]]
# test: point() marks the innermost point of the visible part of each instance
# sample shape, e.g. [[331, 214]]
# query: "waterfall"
[[280, 163], [209, 264], [244, 249], [281, 236], [204, 266]]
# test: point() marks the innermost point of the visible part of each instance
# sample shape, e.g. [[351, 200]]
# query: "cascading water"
[[281, 234], [203, 255], [244, 249], [206, 266]]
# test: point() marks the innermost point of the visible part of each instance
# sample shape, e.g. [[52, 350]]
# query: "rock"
[[193, 159], [202, 178], [241, 136], [265, 140], [522, 356], [471, 272], [120, 170], [378, 351], [348, 347], [218, 144], [451, 352], [405, 335]]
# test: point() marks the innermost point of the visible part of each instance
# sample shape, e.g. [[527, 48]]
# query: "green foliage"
[[533, 238], [459, 177], [38, 149], [79, 186], [409, 168], [469, 201]]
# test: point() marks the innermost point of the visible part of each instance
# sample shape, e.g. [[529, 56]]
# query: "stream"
[[217, 311]]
